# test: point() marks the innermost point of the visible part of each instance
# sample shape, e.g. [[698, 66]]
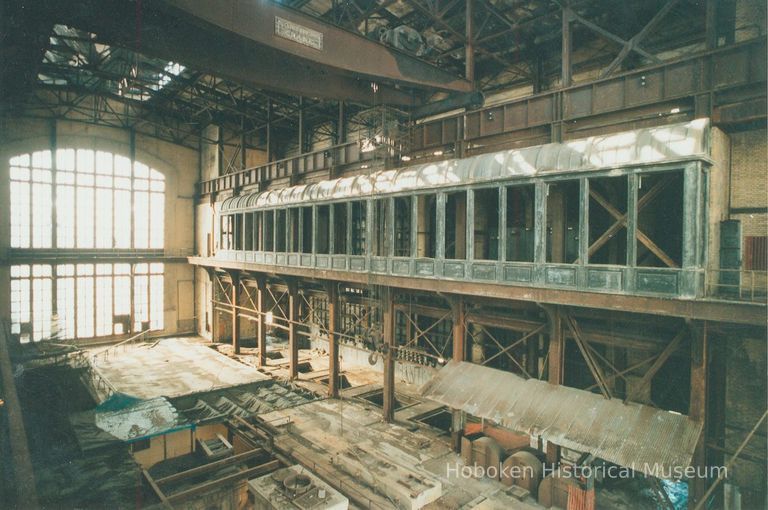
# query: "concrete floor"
[[172, 367]]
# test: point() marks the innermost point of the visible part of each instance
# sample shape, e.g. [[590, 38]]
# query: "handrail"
[[737, 285], [105, 352]]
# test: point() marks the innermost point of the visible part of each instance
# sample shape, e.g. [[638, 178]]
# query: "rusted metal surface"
[[631, 435], [676, 142], [712, 310]]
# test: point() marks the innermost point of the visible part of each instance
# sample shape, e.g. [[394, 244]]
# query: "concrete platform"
[[384, 465], [172, 367]]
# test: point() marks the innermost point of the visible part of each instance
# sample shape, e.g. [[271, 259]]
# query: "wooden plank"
[[204, 487], [159, 493]]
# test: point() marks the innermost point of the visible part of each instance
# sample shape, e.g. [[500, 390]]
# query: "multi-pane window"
[[68, 301], [85, 199]]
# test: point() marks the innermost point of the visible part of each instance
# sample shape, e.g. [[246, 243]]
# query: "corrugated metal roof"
[[675, 142], [631, 435]]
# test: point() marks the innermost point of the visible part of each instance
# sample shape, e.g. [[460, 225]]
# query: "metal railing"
[[737, 285], [105, 353]]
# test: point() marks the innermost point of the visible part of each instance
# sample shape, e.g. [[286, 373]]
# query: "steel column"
[[698, 406], [261, 326], [293, 317], [235, 301], [388, 317], [334, 321]]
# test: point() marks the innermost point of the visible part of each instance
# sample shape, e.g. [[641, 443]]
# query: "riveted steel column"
[[388, 318]]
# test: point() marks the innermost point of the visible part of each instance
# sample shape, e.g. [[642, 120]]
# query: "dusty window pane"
[[269, 224], [323, 229], [340, 228], [427, 226], [563, 222], [403, 226], [306, 230], [358, 228], [456, 225], [520, 223], [660, 220], [486, 227], [607, 221], [381, 227]]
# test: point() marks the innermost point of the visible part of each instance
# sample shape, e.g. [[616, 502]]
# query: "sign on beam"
[[298, 33]]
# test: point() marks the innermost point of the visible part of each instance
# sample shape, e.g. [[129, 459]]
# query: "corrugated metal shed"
[[639, 437], [665, 144]]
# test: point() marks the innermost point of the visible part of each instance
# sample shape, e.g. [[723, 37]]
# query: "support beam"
[[556, 360], [388, 318], [235, 302], [261, 326], [334, 320], [660, 360], [326, 45], [638, 38], [459, 330], [698, 406], [469, 48], [293, 340], [566, 46]]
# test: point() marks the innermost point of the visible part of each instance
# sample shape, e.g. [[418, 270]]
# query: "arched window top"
[[86, 161], [75, 198]]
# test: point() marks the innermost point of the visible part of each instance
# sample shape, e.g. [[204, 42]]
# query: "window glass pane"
[[20, 160], [563, 222], [41, 215], [20, 174], [122, 166], [65, 305], [85, 160], [42, 307], [85, 307], [122, 212], [104, 306], [156, 302], [456, 225], [20, 215], [65, 217], [65, 159], [486, 228], [157, 226], [520, 223], [141, 219], [85, 218], [104, 163], [104, 219], [41, 159], [140, 170]]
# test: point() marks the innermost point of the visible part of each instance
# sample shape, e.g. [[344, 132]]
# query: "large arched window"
[[85, 199]]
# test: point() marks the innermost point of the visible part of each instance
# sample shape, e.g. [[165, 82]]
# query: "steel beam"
[[717, 311], [330, 46]]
